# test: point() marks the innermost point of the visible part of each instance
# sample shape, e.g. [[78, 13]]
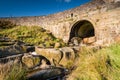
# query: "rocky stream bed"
[[13, 51]]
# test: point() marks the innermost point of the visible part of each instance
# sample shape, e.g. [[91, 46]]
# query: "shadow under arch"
[[82, 29]]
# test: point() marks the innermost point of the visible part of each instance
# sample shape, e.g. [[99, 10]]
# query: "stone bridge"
[[98, 18]]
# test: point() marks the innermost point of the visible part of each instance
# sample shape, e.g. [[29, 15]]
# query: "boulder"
[[12, 47], [12, 50], [59, 57], [29, 60], [35, 61], [15, 58], [89, 40], [55, 73], [69, 57], [54, 55]]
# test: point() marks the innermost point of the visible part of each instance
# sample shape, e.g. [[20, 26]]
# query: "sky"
[[19, 8]]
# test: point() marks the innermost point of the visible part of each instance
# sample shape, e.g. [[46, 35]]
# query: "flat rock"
[[50, 73]]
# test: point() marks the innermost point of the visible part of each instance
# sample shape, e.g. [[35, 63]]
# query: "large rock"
[[62, 56], [15, 58], [69, 56], [12, 50], [35, 61], [54, 73], [89, 40], [54, 55], [10, 47]]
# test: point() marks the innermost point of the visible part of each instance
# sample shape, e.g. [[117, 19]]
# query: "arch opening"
[[82, 29]]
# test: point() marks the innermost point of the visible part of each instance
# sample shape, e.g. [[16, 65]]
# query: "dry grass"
[[101, 65], [12, 72]]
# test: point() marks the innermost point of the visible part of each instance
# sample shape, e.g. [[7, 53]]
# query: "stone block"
[[62, 56], [53, 55], [89, 40]]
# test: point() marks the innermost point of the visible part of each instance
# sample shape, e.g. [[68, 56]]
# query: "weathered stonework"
[[104, 15]]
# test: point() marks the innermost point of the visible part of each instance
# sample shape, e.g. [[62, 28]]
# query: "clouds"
[[67, 1]]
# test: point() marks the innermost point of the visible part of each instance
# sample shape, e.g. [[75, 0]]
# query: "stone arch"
[[82, 29]]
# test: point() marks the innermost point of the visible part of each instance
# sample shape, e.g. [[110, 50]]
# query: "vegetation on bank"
[[101, 65], [33, 35]]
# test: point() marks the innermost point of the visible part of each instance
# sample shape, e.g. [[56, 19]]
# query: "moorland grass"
[[33, 35], [101, 65]]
